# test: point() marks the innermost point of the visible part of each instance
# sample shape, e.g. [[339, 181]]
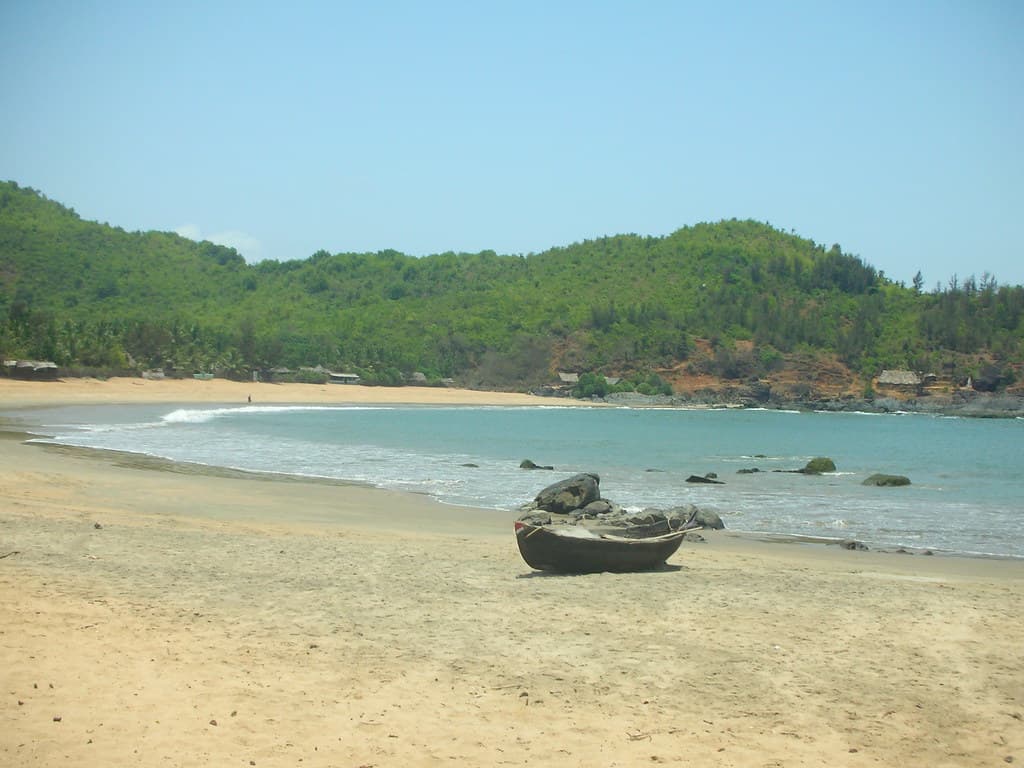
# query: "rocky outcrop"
[[569, 495], [816, 466], [708, 478], [886, 481], [819, 466], [705, 518], [853, 544], [577, 501], [527, 464]]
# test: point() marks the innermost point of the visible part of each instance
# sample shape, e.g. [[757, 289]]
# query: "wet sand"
[[155, 617]]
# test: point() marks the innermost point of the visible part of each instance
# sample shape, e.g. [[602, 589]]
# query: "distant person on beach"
[[250, 398]]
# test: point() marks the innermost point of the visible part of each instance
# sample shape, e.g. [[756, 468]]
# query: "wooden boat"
[[574, 549]]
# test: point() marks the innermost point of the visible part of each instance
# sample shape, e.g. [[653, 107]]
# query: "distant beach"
[[161, 617], [22, 394]]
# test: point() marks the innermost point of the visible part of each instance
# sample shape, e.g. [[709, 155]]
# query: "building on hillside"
[[277, 374], [566, 383], [344, 378], [902, 382], [31, 370]]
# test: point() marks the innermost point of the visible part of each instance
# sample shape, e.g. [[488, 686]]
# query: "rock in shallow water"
[[886, 481]]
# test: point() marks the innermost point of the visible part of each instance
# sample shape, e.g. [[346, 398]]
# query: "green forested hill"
[[736, 299]]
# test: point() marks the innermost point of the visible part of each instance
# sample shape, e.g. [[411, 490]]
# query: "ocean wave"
[[101, 428], [196, 416], [204, 415]]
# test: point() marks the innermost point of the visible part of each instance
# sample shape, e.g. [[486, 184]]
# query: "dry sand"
[[14, 393], [167, 618]]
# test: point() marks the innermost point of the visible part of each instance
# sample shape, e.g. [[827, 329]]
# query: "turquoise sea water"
[[967, 492]]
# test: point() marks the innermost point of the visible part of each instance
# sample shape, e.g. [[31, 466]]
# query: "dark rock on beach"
[[600, 507], [704, 479], [705, 518], [568, 495], [886, 480], [577, 501]]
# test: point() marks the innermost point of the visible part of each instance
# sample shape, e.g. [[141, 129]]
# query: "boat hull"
[[545, 550]]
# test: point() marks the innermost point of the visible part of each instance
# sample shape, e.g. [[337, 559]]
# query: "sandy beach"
[[158, 616], [21, 394]]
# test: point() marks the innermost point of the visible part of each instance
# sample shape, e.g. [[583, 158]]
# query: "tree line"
[[95, 298]]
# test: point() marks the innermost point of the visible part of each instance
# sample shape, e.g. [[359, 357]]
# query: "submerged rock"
[[816, 466], [819, 465], [705, 479], [886, 481], [527, 464]]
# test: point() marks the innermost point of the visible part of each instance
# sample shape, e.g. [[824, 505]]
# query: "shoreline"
[[159, 617], [19, 394], [158, 464], [965, 405], [25, 397], [426, 511]]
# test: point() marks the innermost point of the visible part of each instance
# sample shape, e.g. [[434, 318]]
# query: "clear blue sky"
[[895, 129]]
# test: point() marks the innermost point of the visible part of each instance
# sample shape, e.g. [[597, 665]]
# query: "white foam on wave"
[[195, 416], [204, 415]]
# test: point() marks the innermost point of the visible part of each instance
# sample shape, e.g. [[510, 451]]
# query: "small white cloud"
[[247, 245], [191, 231], [243, 242]]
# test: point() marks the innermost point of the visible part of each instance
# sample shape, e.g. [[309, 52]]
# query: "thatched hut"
[[901, 382]]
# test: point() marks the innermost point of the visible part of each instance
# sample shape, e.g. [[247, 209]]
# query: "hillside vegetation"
[[735, 301]]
